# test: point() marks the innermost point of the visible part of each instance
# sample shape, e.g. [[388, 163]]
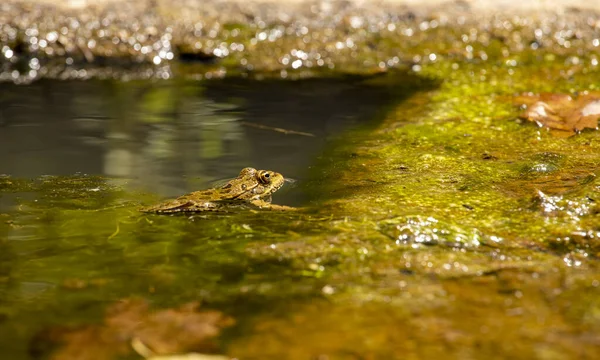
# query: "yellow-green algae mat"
[[459, 232], [452, 230]]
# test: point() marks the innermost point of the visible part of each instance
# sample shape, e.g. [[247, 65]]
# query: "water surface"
[[173, 137], [79, 158]]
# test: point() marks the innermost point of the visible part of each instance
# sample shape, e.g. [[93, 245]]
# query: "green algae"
[[484, 227], [71, 249]]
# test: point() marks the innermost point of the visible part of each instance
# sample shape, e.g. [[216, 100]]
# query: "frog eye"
[[264, 177]]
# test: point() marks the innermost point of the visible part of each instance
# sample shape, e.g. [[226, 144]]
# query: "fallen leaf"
[[180, 330], [562, 112]]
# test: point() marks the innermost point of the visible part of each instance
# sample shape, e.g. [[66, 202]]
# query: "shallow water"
[[434, 222], [79, 158], [431, 224]]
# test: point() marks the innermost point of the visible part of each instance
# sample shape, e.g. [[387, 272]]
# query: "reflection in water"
[[174, 137]]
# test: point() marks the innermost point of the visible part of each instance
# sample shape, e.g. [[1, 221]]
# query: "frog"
[[252, 188]]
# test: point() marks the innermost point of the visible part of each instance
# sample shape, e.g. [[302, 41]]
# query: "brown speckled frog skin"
[[251, 187]]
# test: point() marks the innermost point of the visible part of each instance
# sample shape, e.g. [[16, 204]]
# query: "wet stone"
[[417, 230]]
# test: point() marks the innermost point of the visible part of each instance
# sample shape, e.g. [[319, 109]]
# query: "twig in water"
[[285, 131]]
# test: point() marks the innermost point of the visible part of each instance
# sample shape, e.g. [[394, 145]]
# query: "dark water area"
[[174, 137]]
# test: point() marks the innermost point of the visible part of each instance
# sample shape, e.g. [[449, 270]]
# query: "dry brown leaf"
[[168, 331], [561, 111]]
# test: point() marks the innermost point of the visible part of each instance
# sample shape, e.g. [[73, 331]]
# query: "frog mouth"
[[278, 185]]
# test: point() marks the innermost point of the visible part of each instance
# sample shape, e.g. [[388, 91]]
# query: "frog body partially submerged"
[[252, 188]]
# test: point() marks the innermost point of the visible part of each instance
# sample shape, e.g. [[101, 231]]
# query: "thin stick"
[[287, 132]]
